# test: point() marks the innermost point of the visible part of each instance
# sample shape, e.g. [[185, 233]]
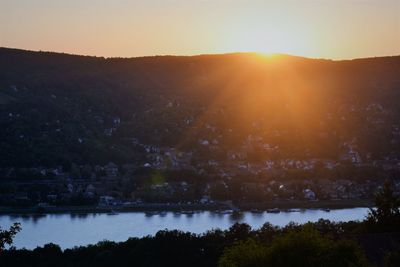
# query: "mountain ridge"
[[11, 49]]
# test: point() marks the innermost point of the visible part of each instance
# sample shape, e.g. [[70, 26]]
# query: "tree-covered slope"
[[59, 108]]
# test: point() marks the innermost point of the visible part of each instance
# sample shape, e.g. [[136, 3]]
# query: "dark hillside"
[[59, 108]]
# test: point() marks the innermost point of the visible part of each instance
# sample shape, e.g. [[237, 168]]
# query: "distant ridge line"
[[20, 50]]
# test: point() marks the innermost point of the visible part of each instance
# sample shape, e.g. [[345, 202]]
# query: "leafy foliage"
[[6, 236], [313, 244], [386, 215], [305, 248]]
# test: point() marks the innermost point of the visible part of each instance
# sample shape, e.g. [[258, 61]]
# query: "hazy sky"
[[315, 28]]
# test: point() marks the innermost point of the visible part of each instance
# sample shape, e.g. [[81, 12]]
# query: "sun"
[[267, 42], [267, 39]]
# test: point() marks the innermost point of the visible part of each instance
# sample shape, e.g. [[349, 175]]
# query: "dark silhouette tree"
[[386, 214], [7, 236], [306, 247], [244, 254]]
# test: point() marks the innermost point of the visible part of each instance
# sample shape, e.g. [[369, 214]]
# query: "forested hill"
[[59, 108]]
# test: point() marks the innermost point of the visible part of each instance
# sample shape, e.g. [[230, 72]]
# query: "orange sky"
[[335, 29]]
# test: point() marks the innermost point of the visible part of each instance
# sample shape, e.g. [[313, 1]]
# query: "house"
[[90, 188], [116, 121], [212, 163], [205, 199], [388, 165], [204, 142], [109, 131], [354, 156], [111, 170], [184, 186], [106, 201], [309, 194]]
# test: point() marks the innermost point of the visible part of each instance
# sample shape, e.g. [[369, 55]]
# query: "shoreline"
[[165, 207]]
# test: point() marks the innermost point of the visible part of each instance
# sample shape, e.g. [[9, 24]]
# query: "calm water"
[[69, 230]]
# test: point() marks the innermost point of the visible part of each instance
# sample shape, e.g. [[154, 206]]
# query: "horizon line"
[[196, 55]]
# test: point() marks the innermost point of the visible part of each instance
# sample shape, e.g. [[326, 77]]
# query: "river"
[[69, 230]]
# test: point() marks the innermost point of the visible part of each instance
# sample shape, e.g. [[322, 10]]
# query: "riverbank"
[[321, 204], [244, 206]]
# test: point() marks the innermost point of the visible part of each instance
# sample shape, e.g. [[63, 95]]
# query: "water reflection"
[[79, 216], [176, 214], [257, 214], [149, 213], [236, 216], [28, 218]]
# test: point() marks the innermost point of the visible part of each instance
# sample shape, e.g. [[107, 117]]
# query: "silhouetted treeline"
[[334, 244]]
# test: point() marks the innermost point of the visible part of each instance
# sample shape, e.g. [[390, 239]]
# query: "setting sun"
[[157, 133], [268, 36], [329, 29]]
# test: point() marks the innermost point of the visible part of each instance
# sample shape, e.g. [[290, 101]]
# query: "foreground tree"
[[386, 214], [7, 236], [306, 247], [244, 254]]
